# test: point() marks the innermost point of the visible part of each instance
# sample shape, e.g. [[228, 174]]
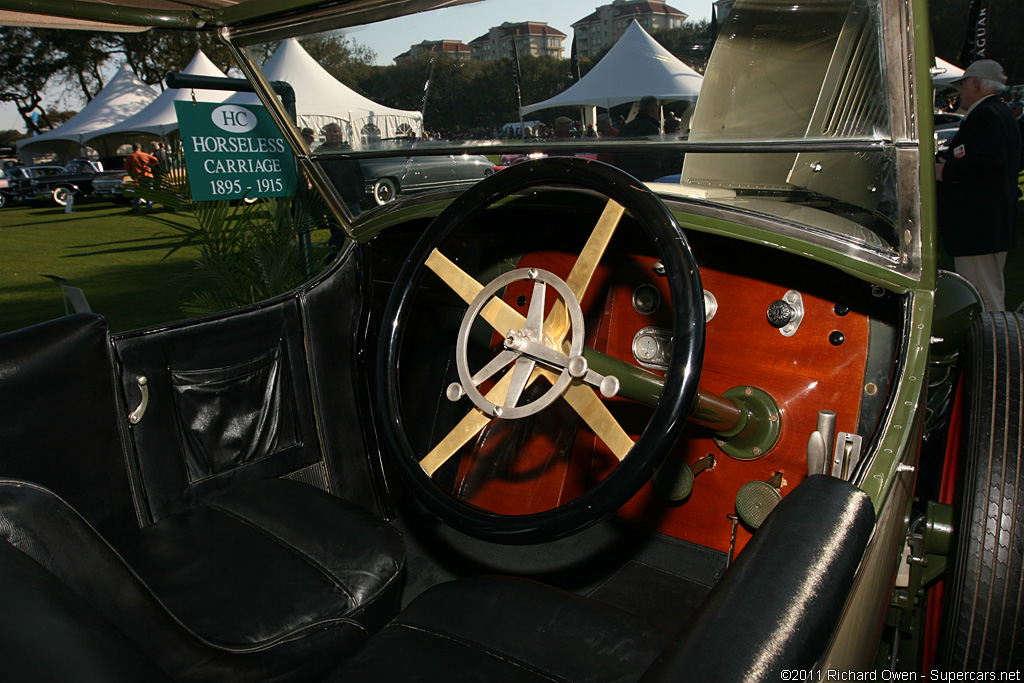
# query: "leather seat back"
[[60, 424]]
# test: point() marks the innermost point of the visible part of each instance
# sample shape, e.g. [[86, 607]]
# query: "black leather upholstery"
[[509, 630], [48, 633], [308, 558], [777, 605], [58, 417], [229, 401], [301, 645], [774, 609]]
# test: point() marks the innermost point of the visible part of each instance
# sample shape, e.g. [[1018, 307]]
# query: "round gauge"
[[646, 299], [646, 348]]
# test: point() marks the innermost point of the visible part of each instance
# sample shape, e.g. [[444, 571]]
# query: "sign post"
[[234, 151]]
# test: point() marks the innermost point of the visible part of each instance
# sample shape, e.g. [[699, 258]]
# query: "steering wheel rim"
[[681, 378]]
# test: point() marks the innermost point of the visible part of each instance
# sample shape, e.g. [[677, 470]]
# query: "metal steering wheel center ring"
[[525, 348]]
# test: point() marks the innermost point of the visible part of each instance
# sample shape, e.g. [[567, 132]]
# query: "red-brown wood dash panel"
[[803, 373], [552, 458]]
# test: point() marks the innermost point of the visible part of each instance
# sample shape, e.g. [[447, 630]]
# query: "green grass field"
[[121, 262]]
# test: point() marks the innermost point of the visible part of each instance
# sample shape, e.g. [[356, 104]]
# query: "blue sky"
[[392, 38]]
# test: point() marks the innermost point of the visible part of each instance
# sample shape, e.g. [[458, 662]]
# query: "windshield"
[[761, 106]]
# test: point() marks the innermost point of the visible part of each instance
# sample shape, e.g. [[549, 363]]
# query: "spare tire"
[[983, 626]]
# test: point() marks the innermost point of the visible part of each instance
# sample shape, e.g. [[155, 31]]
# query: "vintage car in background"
[[78, 180], [389, 176], [20, 181], [562, 425], [57, 184]]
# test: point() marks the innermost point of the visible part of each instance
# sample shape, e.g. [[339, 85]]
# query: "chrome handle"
[[136, 415]]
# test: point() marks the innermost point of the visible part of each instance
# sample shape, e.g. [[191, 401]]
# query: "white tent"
[[158, 119], [321, 99], [947, 73], [123, 96], [637, 65]]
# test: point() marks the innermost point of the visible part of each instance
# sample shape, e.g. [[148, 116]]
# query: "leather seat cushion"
[[510, 630], [48, 633], [269, 558]]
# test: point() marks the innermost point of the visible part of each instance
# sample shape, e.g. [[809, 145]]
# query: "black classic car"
[[563, 425], [19, 182], [58, 184]]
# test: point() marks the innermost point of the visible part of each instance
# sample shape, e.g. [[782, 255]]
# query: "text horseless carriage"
[[561, 425]]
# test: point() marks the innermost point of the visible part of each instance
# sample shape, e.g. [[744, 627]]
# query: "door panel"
[[228, 398]]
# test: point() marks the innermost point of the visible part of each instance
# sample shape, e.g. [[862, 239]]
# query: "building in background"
[[607, 23], [455, 49], [534, 38]]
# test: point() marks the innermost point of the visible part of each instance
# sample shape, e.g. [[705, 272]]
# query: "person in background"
[[346, 174], [977, 183], [347, 177], [563, 128], [605, 128], [139, 165], [646, 124], [308, 137]]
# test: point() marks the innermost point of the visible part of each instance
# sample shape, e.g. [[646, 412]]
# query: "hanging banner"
[[234, 151], [976, 36]]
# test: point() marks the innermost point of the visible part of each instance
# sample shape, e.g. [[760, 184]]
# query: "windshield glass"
[[762, 106]]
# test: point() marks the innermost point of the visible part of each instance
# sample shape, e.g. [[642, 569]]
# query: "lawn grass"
[[119, 260]]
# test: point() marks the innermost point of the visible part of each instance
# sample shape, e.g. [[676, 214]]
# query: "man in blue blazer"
[[977, 190]]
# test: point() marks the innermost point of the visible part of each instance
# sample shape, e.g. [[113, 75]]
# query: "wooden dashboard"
[[524, 466]]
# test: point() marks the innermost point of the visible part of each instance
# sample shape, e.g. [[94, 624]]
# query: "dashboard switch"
[[780, 313], [787, 313]]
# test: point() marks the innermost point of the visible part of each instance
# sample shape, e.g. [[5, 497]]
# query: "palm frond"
[[249, 252]]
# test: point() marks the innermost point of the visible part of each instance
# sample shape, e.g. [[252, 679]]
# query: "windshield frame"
[[907, 259]]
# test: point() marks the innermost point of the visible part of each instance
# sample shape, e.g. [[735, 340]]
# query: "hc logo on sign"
[[233, 118]]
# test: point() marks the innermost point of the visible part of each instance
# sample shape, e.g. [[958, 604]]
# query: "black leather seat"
[[267, 579], [774, 609], [227, 591]]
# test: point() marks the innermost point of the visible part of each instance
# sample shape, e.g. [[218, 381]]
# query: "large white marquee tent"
[[158, 119], [321, 99], [946, 73], [123, 96], [637, 65]]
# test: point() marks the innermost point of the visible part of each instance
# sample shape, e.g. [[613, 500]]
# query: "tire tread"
[[985, 630]]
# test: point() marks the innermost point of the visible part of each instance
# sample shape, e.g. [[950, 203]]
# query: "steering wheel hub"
[[537, 342]]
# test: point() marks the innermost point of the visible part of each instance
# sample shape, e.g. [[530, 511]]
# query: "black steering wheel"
[[543, 345]]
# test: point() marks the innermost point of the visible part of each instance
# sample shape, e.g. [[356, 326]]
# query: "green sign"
[[234, 151]]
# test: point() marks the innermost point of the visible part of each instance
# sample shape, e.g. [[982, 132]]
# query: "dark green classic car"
[[562, 425]]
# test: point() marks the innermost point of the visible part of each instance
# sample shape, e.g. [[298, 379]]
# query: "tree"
[[26, 67], [151, 54], [690, 43], [80, 57], [9, 137], [344, 58]]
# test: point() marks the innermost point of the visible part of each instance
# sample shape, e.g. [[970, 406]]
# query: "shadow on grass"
[[160, 242], [130, 297]]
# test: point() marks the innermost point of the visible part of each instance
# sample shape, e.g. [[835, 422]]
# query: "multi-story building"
[[607, 23], [534, 38], [453, 48]]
